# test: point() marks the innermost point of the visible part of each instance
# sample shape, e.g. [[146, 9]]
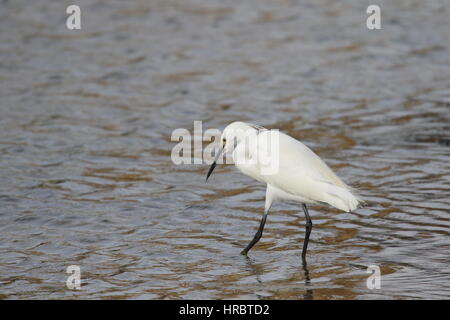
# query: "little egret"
[[296, 172]]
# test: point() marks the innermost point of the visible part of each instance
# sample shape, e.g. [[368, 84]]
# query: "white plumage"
[[299, 174]]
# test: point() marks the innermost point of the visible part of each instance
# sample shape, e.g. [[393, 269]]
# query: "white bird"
[[290, 169]]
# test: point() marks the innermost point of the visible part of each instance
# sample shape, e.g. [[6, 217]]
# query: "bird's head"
[[232, 135]]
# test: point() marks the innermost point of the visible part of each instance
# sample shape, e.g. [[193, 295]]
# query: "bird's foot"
[[244, 252]]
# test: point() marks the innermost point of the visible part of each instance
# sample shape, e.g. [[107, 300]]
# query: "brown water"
[[86, 176]]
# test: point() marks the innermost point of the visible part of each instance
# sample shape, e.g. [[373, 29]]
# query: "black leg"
[[257, 235], [307, 232]]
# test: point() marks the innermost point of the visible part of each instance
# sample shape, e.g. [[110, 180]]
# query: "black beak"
[[213, 165]]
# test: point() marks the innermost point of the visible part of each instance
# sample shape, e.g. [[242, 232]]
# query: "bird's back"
[[300, 172], [300, 155]]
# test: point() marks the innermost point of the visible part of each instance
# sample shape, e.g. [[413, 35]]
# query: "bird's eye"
[[224, 141]]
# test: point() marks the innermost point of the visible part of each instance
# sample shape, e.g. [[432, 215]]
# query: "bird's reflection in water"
[[309, 293], [258, 271]]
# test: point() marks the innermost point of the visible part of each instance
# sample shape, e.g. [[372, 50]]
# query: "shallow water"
[[86, 176]]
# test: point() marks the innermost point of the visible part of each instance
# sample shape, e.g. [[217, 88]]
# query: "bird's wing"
[[299, 171]]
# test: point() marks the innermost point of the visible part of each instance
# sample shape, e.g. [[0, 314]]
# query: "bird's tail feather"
[[342, 198]]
